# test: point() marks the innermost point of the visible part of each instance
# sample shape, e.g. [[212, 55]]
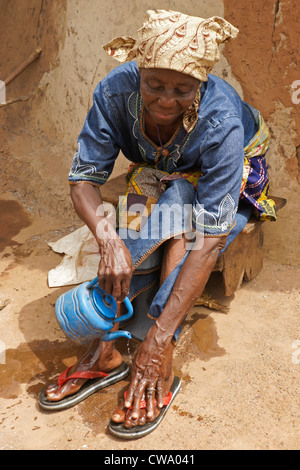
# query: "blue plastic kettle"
[[87, 312]]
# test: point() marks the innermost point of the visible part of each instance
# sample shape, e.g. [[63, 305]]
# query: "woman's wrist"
[[160, 335], [105, 231]]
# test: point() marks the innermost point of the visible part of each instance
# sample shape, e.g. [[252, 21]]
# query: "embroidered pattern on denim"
[[86, 172], [220, 223]]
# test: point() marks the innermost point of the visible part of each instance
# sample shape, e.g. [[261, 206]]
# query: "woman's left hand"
[[150, 372]]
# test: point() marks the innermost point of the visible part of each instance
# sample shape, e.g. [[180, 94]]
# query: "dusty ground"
[[240, 371]]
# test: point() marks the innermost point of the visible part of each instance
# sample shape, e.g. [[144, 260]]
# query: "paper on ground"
[[81, 260]]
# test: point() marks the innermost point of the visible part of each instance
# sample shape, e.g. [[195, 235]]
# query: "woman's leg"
[[174, 251], [101, 356]]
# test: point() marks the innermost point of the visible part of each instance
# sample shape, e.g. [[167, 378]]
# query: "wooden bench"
[[243, 258]]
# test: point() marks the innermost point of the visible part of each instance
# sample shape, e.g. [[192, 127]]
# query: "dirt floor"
[[240, 371]]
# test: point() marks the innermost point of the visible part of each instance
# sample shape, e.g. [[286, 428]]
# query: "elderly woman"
[[197, 153]]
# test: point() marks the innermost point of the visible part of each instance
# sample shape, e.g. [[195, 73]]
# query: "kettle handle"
[[92, 283], [127, 304], [129, 313]]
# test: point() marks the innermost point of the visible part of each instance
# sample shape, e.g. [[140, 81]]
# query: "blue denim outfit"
[[215, 145]]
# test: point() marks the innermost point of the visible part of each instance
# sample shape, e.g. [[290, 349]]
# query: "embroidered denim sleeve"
[[222, 157], [97, 143]]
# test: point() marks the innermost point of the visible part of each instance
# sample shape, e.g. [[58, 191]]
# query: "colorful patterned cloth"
[[255, 185], [175, 41], [143, 191]]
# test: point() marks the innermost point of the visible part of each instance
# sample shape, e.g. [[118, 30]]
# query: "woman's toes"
[[118, 416], [131, 422], [143, 418], [156, 412], [52, 395], [51, 388]]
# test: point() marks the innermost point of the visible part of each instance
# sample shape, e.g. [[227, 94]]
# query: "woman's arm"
[[115, 266], [190, 283], [149, 368]]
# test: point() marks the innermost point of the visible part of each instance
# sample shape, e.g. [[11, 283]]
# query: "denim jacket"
[[215, 145]]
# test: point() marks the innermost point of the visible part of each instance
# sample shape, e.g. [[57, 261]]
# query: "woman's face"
[[167, 94]]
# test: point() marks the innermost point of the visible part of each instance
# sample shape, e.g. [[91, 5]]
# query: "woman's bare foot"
[[101, 356]]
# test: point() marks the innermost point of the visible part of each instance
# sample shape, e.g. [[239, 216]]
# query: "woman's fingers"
[[151, 402], [138, 396], [116, 286], [116, 289], [131, 390], [141, 391], [160, 394], [125, 287], [120, 289]]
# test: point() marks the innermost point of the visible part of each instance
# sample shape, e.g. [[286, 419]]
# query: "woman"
[[197, 154]]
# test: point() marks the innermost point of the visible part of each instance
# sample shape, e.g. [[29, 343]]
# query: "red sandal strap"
[[143, 403], [80, 374]]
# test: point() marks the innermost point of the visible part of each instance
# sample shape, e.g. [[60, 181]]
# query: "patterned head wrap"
[[173, 40]]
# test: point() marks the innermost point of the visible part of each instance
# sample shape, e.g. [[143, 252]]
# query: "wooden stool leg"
[[243, 259]]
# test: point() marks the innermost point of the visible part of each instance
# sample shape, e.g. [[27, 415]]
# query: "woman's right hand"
[[115, 266]]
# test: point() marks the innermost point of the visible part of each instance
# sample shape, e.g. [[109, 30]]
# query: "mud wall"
[[265, 61], [49, 101]]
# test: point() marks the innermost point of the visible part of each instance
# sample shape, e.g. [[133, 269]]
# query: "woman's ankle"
[[109, 358]]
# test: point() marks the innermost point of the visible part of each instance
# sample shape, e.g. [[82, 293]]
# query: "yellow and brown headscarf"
[[173, 40]]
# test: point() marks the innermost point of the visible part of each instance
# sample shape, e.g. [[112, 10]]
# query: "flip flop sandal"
[[120, 431], [98, 381]]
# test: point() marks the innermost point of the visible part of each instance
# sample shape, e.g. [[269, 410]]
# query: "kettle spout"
[[116, 334]]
